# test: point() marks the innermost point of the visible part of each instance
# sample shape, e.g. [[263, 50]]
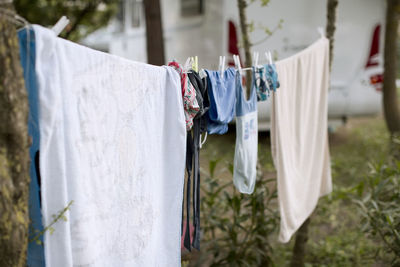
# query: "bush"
[[237, 226], [380, 207]]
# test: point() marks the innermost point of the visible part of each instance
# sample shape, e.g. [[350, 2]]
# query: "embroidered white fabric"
[[299, 135], [113, 141]]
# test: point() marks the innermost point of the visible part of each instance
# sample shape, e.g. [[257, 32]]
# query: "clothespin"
[[321, 32], [60, 25], [188, 63], [202, 73], [237, 63], [269, 57], [255, 57], [221, 65], [195, 63]]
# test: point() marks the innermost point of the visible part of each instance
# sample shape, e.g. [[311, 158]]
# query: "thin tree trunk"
[[299, 248], [331, 26], [302, 234], [154, 33], [390, 100], [242, 5], [14, 157]]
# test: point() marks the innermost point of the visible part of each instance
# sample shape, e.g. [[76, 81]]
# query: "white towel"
[[299, 137], [113, 140]]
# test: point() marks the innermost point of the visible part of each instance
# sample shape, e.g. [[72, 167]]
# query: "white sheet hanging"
[[113, 140], [299, 137]]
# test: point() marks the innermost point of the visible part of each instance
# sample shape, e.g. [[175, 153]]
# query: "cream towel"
[[299, 137]]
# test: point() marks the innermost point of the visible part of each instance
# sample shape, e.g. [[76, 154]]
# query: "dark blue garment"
[[35, 257], [221, 91]]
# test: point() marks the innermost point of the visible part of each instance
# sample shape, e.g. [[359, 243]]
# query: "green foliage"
[[262, 2], [335, 235], [379, 207], [85, 16], [266, 30], [337, 238], [237, 226], [35, 237]]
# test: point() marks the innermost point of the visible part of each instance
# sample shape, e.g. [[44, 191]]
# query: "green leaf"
[[51, 230]]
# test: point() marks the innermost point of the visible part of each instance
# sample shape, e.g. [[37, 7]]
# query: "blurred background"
[[211, 28]]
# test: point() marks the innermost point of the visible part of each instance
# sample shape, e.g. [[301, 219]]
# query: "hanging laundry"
[[222, 93], [35, 257], [190, 104], [265, 83], [112, 140], [299, 137], [245, 160], [262, 88], [193, 162], [272, 77]]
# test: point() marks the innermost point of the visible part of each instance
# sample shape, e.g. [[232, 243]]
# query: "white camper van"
[[209, 29]]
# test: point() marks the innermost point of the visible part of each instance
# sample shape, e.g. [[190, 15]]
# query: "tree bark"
[[154, 33], [14, 157], [242, 5], [299, 248], [331, 26], [390, 100]]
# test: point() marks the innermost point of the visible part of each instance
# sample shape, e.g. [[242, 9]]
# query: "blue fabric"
[[35, 257], [244, 106], [221, 91], [272, 76]]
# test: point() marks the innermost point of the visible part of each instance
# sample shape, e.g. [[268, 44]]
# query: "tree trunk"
[[242, 5], [300, 245], [390, 101], [154, 33], [14, 157], [331, 26]]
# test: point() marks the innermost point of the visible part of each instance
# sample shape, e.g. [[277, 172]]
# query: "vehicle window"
[[191, 7]]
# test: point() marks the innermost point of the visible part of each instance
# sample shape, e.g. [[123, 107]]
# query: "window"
[[130, 14], [191, 7], [136, 13]]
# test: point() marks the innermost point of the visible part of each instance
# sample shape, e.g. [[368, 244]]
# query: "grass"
[[336, 236]]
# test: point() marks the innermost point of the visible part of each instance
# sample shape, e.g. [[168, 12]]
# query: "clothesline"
[[58, 27]]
